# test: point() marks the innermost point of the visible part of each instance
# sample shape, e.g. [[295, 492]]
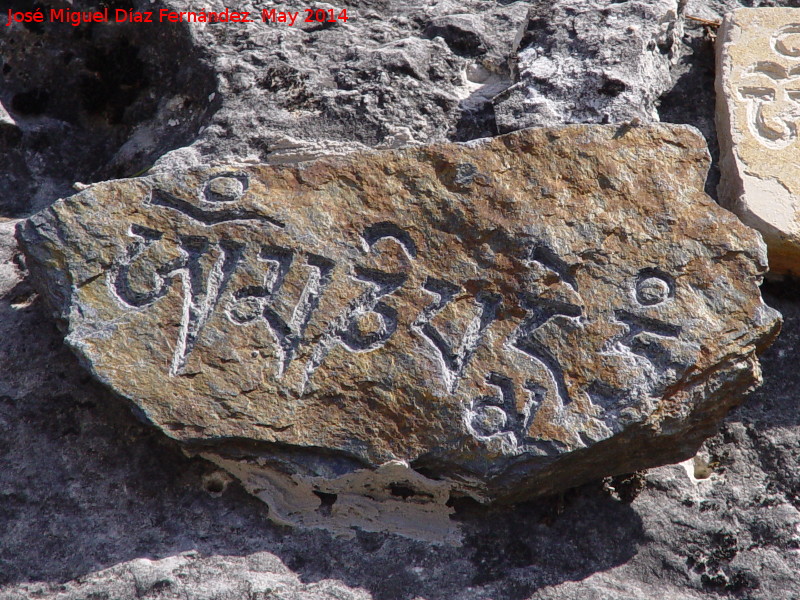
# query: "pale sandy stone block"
[[758, 109]]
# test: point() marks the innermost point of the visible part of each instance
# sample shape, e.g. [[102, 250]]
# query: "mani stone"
[[361, 339], [758, 111]]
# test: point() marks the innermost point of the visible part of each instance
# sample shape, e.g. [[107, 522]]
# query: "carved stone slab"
[[758, 111], [501, 319]]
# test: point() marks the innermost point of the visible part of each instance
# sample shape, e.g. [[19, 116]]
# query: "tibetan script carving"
[[576, 287], [758, 114]]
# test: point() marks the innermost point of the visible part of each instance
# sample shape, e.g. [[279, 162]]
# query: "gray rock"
[[394, 74], [92, 102], [188, 575], [591, 61]]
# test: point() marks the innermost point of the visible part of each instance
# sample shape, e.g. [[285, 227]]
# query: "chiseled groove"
[[209, 217]]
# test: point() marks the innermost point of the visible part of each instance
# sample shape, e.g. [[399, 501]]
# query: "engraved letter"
[[201, 292], [161, 277], [454, 359], [348, 328], [288, 330]]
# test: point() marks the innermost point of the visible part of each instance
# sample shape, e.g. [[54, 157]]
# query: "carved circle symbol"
[[786, 40], [651, 290], [489, 420], [225, 188]]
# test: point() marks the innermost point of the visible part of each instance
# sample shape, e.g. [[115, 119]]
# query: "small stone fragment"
[[758, 111], [362, 338]]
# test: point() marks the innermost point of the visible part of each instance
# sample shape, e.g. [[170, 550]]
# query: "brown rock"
[[502, 319]]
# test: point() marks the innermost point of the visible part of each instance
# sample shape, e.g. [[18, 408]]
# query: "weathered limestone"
[[362, 338], [758, 109], [591, 61]]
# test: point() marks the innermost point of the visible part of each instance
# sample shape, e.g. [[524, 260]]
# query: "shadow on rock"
[[770, 415], [767, 406], [92, 102], [691, 100]]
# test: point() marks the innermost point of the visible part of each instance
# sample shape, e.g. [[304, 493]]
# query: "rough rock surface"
[[86, 490], [591, 62], [394, 74], [101, 101], [479, 313], [93, 102], [758, 90]]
